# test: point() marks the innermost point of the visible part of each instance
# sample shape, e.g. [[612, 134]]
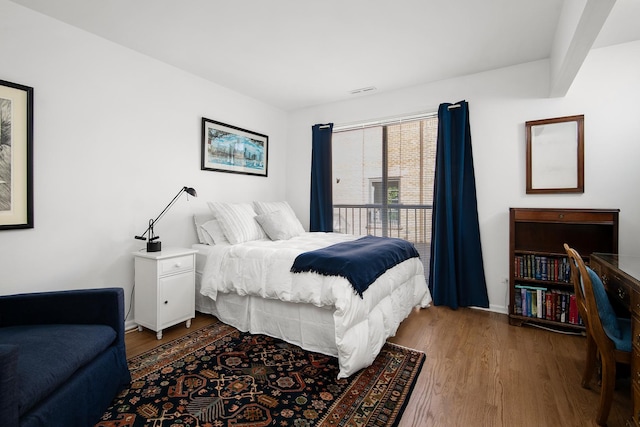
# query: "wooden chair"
[[611, 335], [592, 349]]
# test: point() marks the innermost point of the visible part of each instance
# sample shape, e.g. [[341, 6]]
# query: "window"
[[392, 198], [383, 179]]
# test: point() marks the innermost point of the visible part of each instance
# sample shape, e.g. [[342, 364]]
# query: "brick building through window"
[[383, 177]]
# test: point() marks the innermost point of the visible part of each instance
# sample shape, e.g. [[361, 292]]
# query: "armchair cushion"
[[66, 348]]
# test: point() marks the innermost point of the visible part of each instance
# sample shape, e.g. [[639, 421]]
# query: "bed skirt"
[[305, 325]]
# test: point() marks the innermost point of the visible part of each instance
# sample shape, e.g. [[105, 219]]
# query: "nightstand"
[[164, 288]]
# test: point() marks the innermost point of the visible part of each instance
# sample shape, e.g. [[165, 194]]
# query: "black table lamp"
[[153, 244]]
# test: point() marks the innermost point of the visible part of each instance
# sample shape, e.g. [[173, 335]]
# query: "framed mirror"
[[555, 155]]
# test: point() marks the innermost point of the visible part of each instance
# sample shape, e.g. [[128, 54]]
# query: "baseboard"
[[498, 309], [129, 325], [493, 308]]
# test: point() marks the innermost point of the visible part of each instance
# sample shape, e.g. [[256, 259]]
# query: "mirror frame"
[[579, 158]]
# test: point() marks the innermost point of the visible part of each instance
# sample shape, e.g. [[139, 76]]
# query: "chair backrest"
[[585, 288], [574, 256]]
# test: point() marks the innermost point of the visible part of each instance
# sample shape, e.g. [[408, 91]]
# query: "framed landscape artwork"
[[227, 148], [16, 156]]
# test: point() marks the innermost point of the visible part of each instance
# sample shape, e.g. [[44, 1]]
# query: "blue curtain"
[[456, 273], [321, 218]]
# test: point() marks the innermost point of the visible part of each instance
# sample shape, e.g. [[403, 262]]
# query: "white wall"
[[116, 135], [500, 102]]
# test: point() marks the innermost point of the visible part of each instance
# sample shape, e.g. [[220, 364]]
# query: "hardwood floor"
[[481, 371]]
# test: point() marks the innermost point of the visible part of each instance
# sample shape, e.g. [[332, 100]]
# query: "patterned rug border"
[[357, 389], [221, 330]]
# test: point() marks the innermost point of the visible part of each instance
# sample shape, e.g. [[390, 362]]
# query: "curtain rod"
[[382, 122], [450, 107]]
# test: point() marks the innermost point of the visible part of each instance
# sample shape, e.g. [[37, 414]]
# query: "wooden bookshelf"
[[540, 287]]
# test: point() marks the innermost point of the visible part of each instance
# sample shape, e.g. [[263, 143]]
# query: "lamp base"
[[155, 246]]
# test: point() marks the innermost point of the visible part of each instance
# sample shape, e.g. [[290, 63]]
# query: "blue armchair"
[[62, 357]]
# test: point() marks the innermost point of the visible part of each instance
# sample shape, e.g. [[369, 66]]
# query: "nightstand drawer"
[[176, 264]]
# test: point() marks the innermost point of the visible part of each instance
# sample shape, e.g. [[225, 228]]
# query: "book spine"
[[539, 303], [573, 310]]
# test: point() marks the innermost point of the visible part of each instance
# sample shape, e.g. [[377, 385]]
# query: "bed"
[[245, 280]]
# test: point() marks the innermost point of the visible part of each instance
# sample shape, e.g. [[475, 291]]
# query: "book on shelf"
[[539, 267], [549, 304]]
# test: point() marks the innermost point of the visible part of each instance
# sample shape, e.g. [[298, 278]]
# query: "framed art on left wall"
[[16, 156], [227, 148]]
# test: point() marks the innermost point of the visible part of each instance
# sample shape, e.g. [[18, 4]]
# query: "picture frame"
[[16, 156], [555, 155], [227, 148]]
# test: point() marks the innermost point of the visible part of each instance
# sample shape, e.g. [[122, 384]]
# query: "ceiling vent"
[[362, 90]]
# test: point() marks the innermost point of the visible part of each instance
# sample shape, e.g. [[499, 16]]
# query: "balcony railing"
[[409, 222]]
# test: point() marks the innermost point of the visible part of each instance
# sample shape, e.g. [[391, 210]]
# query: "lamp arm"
[[153, 222]]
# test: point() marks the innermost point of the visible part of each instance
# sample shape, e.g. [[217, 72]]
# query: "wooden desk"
[[621, 276]]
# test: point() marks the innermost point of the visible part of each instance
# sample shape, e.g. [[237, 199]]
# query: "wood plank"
[[480, 371]]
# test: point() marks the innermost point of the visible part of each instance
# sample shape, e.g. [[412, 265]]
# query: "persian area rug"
[[218, 377]]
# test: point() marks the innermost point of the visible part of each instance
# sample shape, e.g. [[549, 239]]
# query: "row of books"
[[548, 304], [540, 267]]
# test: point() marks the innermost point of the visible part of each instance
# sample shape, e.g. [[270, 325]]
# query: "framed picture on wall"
[[16, 156], [555, 155], [227, 148]]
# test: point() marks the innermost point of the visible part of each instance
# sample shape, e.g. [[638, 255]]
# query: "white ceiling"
[[298, 53]]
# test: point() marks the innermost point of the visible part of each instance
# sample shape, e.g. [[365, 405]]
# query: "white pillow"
[[213, 233], [288, 214], [200, 219], [278, 226], [237, 221]]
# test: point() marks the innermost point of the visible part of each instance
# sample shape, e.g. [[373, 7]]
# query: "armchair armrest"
[[8, 385], [103, 306]]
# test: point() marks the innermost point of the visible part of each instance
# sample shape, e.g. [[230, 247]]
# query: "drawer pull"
[[167, 302], [604, 279], [622, 293], [177, 264]]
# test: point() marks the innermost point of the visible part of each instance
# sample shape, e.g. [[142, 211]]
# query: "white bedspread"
[[362, 325]]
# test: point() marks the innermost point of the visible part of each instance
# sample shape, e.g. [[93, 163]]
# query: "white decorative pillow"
[[212, 231], [278, 226], [237, 221], [288, 214], [200, 219]]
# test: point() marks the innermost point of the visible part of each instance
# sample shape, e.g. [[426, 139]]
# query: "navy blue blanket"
[[360, 261]]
